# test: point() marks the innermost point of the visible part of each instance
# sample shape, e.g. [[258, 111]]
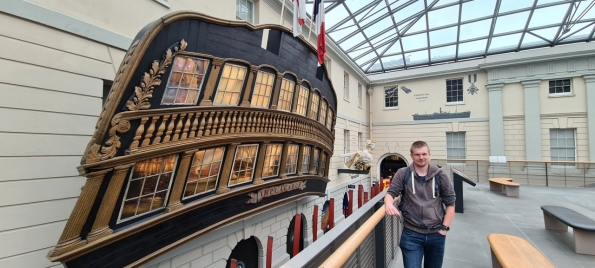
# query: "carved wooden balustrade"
[[163, 127]]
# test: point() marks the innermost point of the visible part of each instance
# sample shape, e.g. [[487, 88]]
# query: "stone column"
[[249, 87], [108, 203], [496, 119], [180, 181], [283, 163], [532, 120], [590, 87], [207, 99], [71, 236], [276, 91], [226, 169], [262, 150]]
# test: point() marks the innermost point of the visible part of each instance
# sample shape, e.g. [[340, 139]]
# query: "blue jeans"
[[416, 246]]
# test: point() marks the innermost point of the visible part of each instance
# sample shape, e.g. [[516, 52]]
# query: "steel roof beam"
[[494, 20]]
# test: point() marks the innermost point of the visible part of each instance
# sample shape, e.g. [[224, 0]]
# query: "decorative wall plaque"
[[472, 89]]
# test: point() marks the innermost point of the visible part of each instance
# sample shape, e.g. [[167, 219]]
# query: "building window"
[[359, 140], [204, 171], [323, 164], [272, 160], [243, 164], [185, 81], [262, 89], [455, 146], [359, 94], [306, 160], [391, 97], [562, 145], [322, 115], [302, 101], [230, 85], [148, 186], [346, 85], [454, 90], [315, 158], [245, 10], [292, 158], [561, 86], [345, 140], [314, 106], [329, 119], [286, 96]]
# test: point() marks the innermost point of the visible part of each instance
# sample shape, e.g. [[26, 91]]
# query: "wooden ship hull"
[[207, 122]]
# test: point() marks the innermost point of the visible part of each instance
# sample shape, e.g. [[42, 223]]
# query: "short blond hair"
[[419, 144]]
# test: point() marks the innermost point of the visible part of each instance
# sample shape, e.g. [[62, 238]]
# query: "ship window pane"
[[323, 164], [272, 160], [230, 85], [306, 160], [286, 95], [314, 107], [262, 89], [148, 186], [315, 158], [302, 101], [322, 115], [204, 172], [292, 158], [243, 164], [185, 81], [329, 119]]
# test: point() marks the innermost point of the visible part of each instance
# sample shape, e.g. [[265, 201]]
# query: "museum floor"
[[489, 212]]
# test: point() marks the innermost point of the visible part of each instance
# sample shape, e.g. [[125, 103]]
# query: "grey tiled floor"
[[488, 212]]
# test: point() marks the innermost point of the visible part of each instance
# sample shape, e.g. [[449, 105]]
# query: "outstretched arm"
[[390, 207]]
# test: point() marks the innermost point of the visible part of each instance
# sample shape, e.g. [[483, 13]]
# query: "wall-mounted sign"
[[421, 97], [275, 190], [442, 115]]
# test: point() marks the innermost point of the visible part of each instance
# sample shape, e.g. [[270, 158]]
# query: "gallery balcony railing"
[[547, 173], [367, 238]]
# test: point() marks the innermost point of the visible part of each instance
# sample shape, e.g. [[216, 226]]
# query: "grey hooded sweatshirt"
[[420, 198]]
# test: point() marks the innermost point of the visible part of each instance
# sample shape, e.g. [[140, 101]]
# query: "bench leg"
[[584, 241], [552, 223], [495, 187], [495, 262], [512, 190]]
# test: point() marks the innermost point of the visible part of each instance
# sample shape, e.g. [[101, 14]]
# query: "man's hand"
[[443, 232], [392, 210]]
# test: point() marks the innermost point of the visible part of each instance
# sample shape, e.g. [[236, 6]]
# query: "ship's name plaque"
[[275, 190]]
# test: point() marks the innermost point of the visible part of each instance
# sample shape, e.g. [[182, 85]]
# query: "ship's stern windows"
[[306, 160], [272, 160], [286, 95], [314, 106], [185, 81], [302, 104], [243, 164], [204, 172], [230, 85], [292, 159], [263, 89]]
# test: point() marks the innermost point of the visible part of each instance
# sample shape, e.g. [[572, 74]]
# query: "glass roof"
[[385, 35]]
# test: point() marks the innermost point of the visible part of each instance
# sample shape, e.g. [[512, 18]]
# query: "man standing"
[[427, 205]]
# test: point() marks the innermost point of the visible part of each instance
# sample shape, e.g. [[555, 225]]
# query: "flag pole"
[[282, 9]]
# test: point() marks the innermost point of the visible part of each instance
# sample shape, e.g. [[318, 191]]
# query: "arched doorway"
[[246, 252], [291, 234], [390, 164]]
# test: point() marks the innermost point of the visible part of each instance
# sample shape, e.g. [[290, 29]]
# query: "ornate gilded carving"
[[112, 144], [144, 92]]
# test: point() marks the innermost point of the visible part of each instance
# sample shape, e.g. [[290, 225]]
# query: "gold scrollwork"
[[112, 144], [152, 79]]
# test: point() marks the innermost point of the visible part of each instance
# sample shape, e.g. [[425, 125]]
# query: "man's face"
[[420, 156]]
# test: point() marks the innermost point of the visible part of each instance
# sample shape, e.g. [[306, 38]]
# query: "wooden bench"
[[512, 251], [583, 228], [506, 184]]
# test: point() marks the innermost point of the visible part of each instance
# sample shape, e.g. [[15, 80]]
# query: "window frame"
[[144, 178], [234, 162], [314, 106], [574, 148], [329, 118], [289, 164], [250, 12], [396, 107], [307, 151], [217, 89], [182, 75], [451, 158], [560, 94], [267, 159], [259, 85], [315, 161], [323, 109], [299, 106], [192, 164], [346, 86], [458, 90], [283, 91]]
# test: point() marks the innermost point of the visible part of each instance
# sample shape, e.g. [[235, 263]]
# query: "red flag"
[[320, 31], [299, 16]]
